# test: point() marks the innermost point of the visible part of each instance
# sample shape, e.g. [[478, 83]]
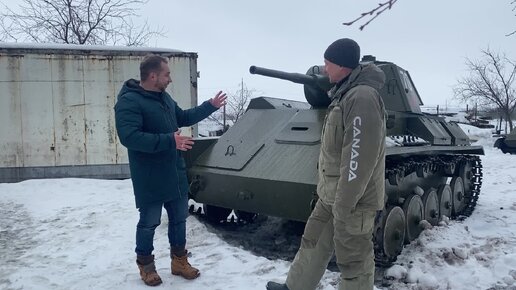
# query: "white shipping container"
[[57, 107]]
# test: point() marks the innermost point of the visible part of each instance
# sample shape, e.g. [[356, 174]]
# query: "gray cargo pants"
[[350, 236]]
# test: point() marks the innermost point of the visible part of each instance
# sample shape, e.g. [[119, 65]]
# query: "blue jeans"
[[150, 219]]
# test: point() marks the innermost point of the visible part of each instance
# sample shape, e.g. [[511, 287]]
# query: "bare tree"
[[373, 14], [236, 105], [491, 84], [94, 22]]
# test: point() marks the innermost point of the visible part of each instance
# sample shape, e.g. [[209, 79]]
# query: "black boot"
[[276, 286]]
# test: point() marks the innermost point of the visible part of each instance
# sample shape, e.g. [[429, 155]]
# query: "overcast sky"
[[431, 39]]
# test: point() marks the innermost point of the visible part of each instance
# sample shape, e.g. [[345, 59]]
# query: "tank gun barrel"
[[316, 84], [298, 78]]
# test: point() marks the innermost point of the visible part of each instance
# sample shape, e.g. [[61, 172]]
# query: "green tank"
[[507, 143], [267, 162]]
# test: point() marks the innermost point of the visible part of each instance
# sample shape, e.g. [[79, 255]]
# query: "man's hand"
[[183, 143], [219, 100]]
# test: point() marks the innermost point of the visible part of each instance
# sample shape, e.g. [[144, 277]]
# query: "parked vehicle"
[[507, 143]]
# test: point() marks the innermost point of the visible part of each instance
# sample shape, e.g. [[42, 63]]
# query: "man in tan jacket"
[[351, 177]]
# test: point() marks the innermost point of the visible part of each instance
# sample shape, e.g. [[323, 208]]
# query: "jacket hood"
[[365, 74], [133, 86]]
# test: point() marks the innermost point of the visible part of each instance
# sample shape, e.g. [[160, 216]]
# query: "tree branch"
[[236, 105], [373, 14], [513, 9]]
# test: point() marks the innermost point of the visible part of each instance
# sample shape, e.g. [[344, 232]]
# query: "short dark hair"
[[151, 63]]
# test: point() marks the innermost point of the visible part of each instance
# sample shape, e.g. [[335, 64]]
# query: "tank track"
[[475, 182], [445, 165]]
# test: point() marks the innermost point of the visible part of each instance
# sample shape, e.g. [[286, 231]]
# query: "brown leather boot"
[[148, 270], [181, 267]]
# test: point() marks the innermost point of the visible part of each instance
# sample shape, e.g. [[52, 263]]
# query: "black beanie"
[[344, 52]]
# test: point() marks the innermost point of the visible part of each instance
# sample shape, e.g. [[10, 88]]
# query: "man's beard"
[[161, 87]]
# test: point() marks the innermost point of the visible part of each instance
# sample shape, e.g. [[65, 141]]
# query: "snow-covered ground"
[[79, 234]]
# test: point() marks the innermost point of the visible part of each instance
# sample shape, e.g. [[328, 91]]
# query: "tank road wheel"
[[413, 208], [431, 206], [393, 236], [246, 216], [457, 187], [445, 200], [465, 172], [215, 213]]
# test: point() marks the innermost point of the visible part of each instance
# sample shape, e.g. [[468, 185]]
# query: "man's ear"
[[153, 75]]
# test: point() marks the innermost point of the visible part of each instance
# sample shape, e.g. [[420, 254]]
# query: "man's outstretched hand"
[[219, 100], [183, 143]]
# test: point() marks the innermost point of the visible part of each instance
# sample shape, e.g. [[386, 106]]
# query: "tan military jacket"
[[352, 157]]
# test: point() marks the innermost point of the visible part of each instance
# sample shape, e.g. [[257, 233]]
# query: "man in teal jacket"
[[148, 123]]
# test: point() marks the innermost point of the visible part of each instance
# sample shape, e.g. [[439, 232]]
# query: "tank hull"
[[294, 200], [267, 197]]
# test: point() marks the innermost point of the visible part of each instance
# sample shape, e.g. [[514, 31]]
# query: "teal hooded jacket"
[[145, 123]]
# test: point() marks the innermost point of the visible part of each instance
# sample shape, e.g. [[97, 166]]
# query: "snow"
[[79, 234], [206, 126], [80, 47]]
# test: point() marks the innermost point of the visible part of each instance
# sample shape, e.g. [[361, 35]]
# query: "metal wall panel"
[[179, 89], [11, 148], [69, 104], [37, 111], [180, 86], [193, 90], [99, 96]]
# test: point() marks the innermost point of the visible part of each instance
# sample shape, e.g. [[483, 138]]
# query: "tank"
[[267, 162], [507, 143]]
